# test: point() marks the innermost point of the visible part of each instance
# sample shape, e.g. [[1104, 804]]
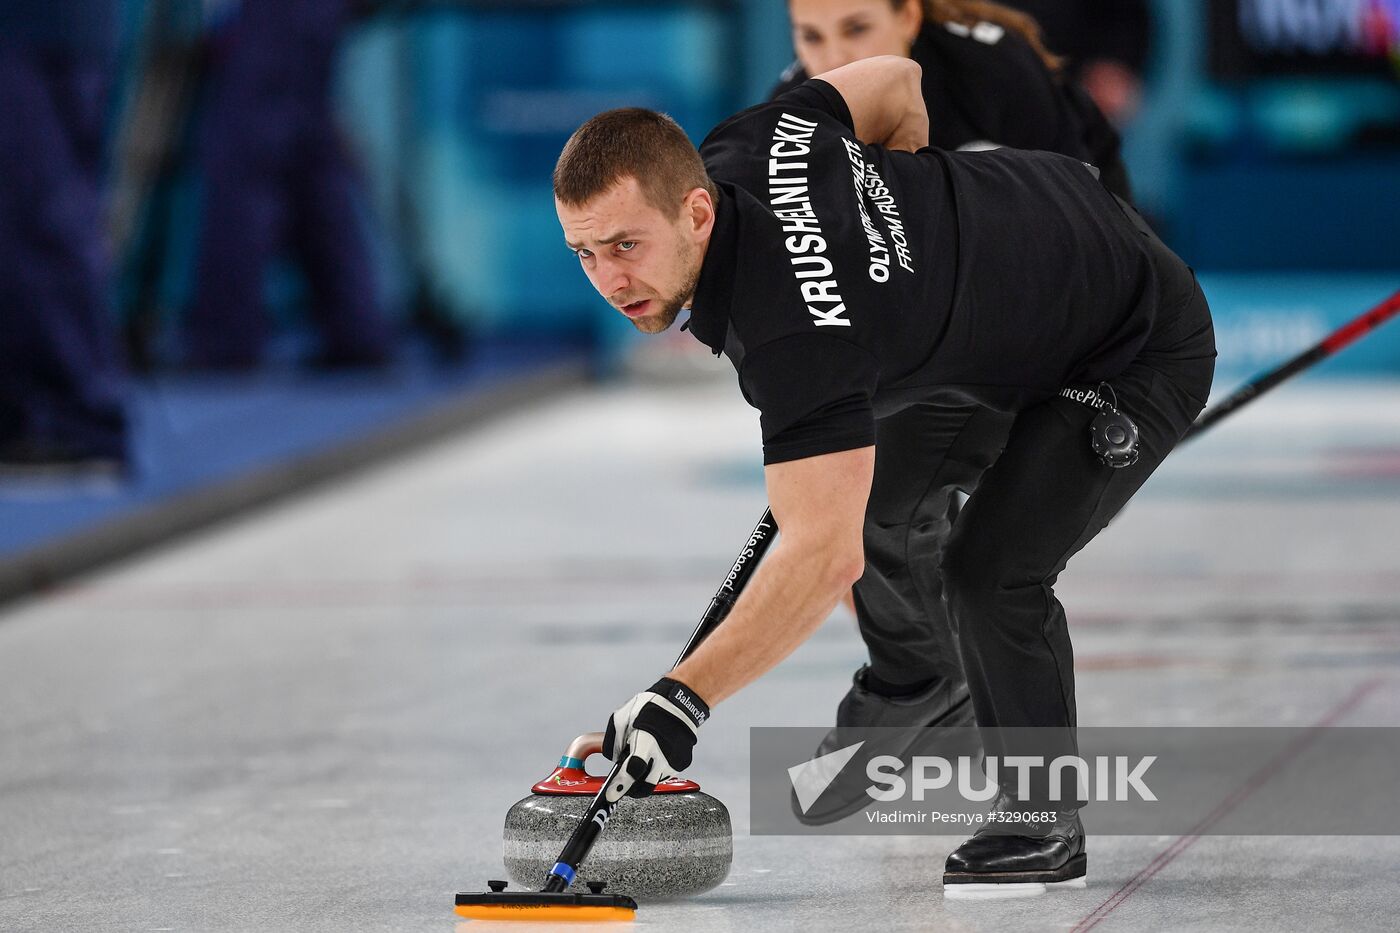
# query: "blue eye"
[[626, 246], [582, 253]]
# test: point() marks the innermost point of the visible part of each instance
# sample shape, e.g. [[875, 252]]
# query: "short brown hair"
[[630, 141]]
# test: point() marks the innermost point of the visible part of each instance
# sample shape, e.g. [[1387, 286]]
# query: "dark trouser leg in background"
[[249, 131], [277, 177], [332, 245], [62, 381]]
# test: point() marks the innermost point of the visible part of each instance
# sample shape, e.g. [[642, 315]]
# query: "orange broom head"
[[544, 912], [544, 906]]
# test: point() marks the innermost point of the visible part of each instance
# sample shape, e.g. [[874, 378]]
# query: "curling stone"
[[675, 843]]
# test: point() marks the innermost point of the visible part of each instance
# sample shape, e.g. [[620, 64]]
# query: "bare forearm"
[[819, 503], [790, 595], [886, 100]]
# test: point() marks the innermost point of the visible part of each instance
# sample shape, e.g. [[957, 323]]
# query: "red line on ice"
[[1251, 784]]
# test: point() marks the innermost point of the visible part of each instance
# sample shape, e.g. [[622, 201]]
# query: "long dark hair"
[[972, 12]]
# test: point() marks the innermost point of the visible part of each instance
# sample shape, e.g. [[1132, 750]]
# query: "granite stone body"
[[656, 848]]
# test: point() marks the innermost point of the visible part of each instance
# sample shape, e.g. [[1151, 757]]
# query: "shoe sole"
[[983, 886], [963, 706]]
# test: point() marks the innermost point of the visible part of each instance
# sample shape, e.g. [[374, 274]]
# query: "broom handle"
[[728, 593], [615, 787], [1348, 333]]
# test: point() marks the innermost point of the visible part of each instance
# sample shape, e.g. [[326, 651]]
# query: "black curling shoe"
[[994, 864]]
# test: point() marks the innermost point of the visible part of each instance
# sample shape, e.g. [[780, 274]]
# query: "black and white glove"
[[656, 729]]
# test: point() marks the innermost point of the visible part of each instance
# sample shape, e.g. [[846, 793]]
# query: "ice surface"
[[315, 719]]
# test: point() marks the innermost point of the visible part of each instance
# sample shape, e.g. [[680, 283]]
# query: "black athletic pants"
[[1032, 508], [924, 455]]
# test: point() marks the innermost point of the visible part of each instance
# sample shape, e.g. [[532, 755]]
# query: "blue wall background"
[[458, 113], [493, 98]]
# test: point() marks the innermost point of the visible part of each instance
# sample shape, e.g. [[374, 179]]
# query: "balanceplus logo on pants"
[[1166, 780]]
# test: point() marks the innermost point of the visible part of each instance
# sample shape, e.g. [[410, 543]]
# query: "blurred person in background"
[[1106, 43], [62, 381], [278, 179], [988, 80]]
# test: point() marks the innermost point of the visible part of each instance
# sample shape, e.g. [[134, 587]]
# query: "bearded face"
[[642, 261]]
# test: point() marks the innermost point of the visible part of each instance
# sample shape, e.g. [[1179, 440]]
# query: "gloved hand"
[[657, 729]]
